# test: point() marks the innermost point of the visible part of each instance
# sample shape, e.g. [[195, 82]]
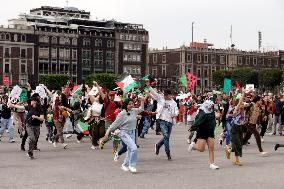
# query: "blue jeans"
[[146, 125], [228, 127], [166, 128], [123, 149], [7, 124], [128, 137]]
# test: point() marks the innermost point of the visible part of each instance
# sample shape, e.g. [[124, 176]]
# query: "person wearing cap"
[[34, 118], [6, 119], [167, 112]]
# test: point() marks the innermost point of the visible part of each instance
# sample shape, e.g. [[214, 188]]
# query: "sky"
[[169, 21]]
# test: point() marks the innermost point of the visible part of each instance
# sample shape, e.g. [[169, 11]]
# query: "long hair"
[[125, 103]]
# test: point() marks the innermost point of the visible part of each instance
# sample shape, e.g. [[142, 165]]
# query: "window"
[[7, 67], [269, 62], [255, 61], [44, 39], [109, 55], [121, 37], [213, 58], [67, 54], [240, 60], [23, 38], [74, 69], [98, 64], [86, 54], [54, 67], [164, 71], [164, 58], [23, 53], [110, 65], [110, 43], [247, 60], [74, 41], [154, 58], [188, 57], [44, 52], [24, 66], [54, 40], [67, 41], [206, 58], [43, 66], [53, 53], [98, 54], [15, 37], [199, 58], [7, 36], [154, 71], [61, 53], [98, 43], [222, 59], [138, 58], [74, 54], [61, 40], [2, 36], [7, 52]]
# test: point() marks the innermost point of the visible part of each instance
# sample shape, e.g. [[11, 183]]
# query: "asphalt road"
[[79, 167]]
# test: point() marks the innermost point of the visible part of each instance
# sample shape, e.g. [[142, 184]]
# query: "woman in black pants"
[[264, 118]]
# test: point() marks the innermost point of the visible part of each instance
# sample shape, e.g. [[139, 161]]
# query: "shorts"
[[205, 134]]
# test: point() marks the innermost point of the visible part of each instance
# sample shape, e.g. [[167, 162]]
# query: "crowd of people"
[[125, 118]]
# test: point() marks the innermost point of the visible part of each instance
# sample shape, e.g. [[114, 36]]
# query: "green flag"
[[227, 85], [183, 80]]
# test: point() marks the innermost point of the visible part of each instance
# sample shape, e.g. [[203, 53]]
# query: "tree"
[[105, 80], [270, 78], [54, 81], [218, 76]]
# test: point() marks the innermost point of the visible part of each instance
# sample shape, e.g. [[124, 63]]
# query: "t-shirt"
[[33, 111], [110, 107], [5, 111]]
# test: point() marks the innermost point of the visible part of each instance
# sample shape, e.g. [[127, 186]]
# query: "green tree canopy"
[[105, 80], [270, 78], [54, 81]]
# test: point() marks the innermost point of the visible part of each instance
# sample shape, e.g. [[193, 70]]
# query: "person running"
[[167, 112], [35, 117], [254, 115], [126, 121], [204, 125]]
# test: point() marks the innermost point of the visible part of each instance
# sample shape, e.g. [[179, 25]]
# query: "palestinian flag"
[[83, 127], [188, 80], [238, 91], [23, 96], [126, 84], [76, 89]]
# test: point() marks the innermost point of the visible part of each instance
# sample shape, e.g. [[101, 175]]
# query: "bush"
[[54, 81], [105, 80]]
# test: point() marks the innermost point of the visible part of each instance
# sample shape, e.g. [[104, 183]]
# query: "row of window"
[[62, 67], [99, 64], [132, 69], [63, 53], [133, 37], [132, 46], [7, 69], [132, 57], [23, 52], [98, 54], [16, 37]]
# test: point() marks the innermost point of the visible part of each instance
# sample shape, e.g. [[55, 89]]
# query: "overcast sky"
[[169, 21]]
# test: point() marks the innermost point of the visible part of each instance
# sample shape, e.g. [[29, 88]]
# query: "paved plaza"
[[79, 167]]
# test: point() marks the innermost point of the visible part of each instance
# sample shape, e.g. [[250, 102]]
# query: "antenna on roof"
[[67, 3]]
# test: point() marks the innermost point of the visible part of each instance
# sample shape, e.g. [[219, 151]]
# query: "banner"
[[227, 85]]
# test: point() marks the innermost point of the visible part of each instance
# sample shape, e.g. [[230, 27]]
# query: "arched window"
[[2, 36], [54, 40], [7, 36], [23, 38], [67, 41], [86, 42], [62, 40], [74, 41]]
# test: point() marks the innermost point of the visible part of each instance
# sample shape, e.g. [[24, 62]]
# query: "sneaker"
[[124, 168], [141, 136], [94, 147], [64, 145], [12, 141], [190, 147], [169, 157], [156, 149], [50, 141], [78, 141], [188, 141], [213, 166], [68, 136], [37, 149], [262, 140], [30, 155], [7, 131], [264, 154], [116, 157], [276, 146], [54, 144], [132, 169]]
